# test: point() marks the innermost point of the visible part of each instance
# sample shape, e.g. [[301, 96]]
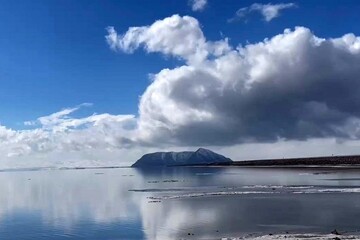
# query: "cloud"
[[176, 36], [197, 5], [268, 11], [60, 120], [61, 133], [293, 86]]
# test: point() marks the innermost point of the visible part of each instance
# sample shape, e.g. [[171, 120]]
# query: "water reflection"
[[65, 197], [90, 204]]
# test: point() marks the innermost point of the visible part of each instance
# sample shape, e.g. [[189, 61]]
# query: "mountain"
[[167, 159]]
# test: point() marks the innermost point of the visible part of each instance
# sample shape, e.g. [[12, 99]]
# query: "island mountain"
[[201, 156]]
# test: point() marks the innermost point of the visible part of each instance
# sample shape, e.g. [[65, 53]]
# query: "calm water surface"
[[171, 203]]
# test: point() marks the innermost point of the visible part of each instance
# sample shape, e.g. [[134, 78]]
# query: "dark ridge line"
[[306, 161]]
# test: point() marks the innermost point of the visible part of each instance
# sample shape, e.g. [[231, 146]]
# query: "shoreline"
[[307, 236], [352, 161]]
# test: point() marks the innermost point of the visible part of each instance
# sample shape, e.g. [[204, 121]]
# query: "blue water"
[[207, 203]]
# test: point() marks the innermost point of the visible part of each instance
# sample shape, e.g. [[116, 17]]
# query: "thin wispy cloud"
[[197, 5], [268, 11]]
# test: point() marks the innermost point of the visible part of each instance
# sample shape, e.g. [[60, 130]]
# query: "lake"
[[177, 203]]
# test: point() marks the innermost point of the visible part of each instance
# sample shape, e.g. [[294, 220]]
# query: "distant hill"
[[352, 160], [167, 159]]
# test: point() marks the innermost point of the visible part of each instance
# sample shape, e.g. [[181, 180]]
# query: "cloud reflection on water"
[[69, 197]]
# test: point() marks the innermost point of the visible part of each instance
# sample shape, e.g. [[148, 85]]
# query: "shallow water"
[[207, 203]]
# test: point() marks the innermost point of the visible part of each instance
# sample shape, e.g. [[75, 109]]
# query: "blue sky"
[[54, 54], [96, 81]]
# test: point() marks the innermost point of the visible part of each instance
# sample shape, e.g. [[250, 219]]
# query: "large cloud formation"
[[293, 86]]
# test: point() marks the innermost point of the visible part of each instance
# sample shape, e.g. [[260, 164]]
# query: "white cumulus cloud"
[[293, 86], [176, 36]]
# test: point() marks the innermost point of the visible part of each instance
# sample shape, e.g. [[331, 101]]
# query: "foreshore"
[[296, 237]]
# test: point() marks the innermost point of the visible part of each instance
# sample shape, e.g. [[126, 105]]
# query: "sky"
[[102, 82]]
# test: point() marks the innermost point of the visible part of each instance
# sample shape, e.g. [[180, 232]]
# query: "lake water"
[[207, 203]]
